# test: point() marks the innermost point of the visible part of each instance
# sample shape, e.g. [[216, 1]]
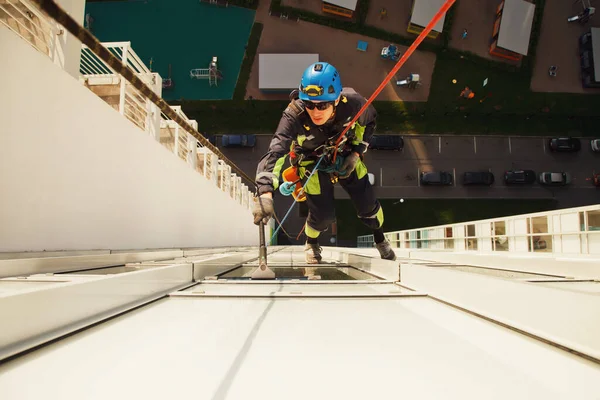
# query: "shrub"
[[246, 68]]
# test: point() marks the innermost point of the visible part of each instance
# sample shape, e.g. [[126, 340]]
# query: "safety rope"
[[396, 68], [59, 15], [282, 228]]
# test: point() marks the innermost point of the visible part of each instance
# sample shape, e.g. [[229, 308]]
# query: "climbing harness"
[[292, 187]]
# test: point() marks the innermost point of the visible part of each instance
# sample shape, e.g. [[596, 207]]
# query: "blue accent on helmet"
[[320, 82]]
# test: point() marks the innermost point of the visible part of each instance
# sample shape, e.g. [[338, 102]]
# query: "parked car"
[[238, 140], [437, 178], [478, 178], [595, 143], [386, 142], [555, 178], [564, 144], [519, 177]]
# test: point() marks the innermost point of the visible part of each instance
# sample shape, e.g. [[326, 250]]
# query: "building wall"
[[68, 51], [75, 174]]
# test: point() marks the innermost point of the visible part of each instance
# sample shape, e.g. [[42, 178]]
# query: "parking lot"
[[396, 173]]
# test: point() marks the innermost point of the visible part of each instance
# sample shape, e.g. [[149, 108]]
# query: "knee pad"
[[373, 219]]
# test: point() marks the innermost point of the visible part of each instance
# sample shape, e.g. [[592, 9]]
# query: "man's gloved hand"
[[349, 165], [263, 208]]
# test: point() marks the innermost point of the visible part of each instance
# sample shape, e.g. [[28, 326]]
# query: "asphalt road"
[[396, 173]]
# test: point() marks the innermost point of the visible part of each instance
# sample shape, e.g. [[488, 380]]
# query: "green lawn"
[[261, 117], [421, 213]]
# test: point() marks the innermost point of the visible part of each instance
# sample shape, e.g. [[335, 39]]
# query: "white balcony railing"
[[100, 78], [566, 232], [31, 24]]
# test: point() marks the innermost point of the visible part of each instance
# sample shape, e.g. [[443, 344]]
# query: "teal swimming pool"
[[185, 34]]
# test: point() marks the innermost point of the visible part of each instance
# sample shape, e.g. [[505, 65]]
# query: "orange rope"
[[397, 67], [302, 230]]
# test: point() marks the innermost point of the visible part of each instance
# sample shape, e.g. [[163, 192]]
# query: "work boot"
[[312, 253], [385, 250]]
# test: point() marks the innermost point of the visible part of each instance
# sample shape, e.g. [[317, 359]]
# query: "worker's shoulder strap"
[[296, 107]]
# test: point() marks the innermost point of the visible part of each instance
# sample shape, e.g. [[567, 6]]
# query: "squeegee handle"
[[262, 251]]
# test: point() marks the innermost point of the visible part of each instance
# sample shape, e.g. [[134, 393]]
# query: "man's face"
[[320, 111]]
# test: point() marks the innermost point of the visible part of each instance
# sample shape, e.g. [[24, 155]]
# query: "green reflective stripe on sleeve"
[[361, 169], [277, 171], [359, 133], [310, 232]]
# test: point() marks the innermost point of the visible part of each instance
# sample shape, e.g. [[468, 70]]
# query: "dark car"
[[238, 140], [564, 144], [478, 178], [519, 177], [386, 142], [555, 178], [437, 178]]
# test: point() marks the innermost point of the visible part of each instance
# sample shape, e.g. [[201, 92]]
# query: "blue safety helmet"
[[320, 82]]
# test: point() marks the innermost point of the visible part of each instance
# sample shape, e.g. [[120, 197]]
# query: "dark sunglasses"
[[319, 106]]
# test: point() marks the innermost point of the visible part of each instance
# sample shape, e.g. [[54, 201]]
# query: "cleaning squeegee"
[[263, 271]]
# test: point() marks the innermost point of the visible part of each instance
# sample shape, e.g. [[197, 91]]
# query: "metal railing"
[[31, 24], [567, 231], [101, 79], [116, 74]]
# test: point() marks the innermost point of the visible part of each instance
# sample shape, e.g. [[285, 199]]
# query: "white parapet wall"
[[75, 174]]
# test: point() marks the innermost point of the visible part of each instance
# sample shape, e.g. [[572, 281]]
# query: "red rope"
[[397, 67], [302, 230]]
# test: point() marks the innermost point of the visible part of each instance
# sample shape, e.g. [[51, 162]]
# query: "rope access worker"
[[309, 128]]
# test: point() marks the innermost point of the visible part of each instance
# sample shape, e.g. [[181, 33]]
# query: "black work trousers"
[[321, 207]]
